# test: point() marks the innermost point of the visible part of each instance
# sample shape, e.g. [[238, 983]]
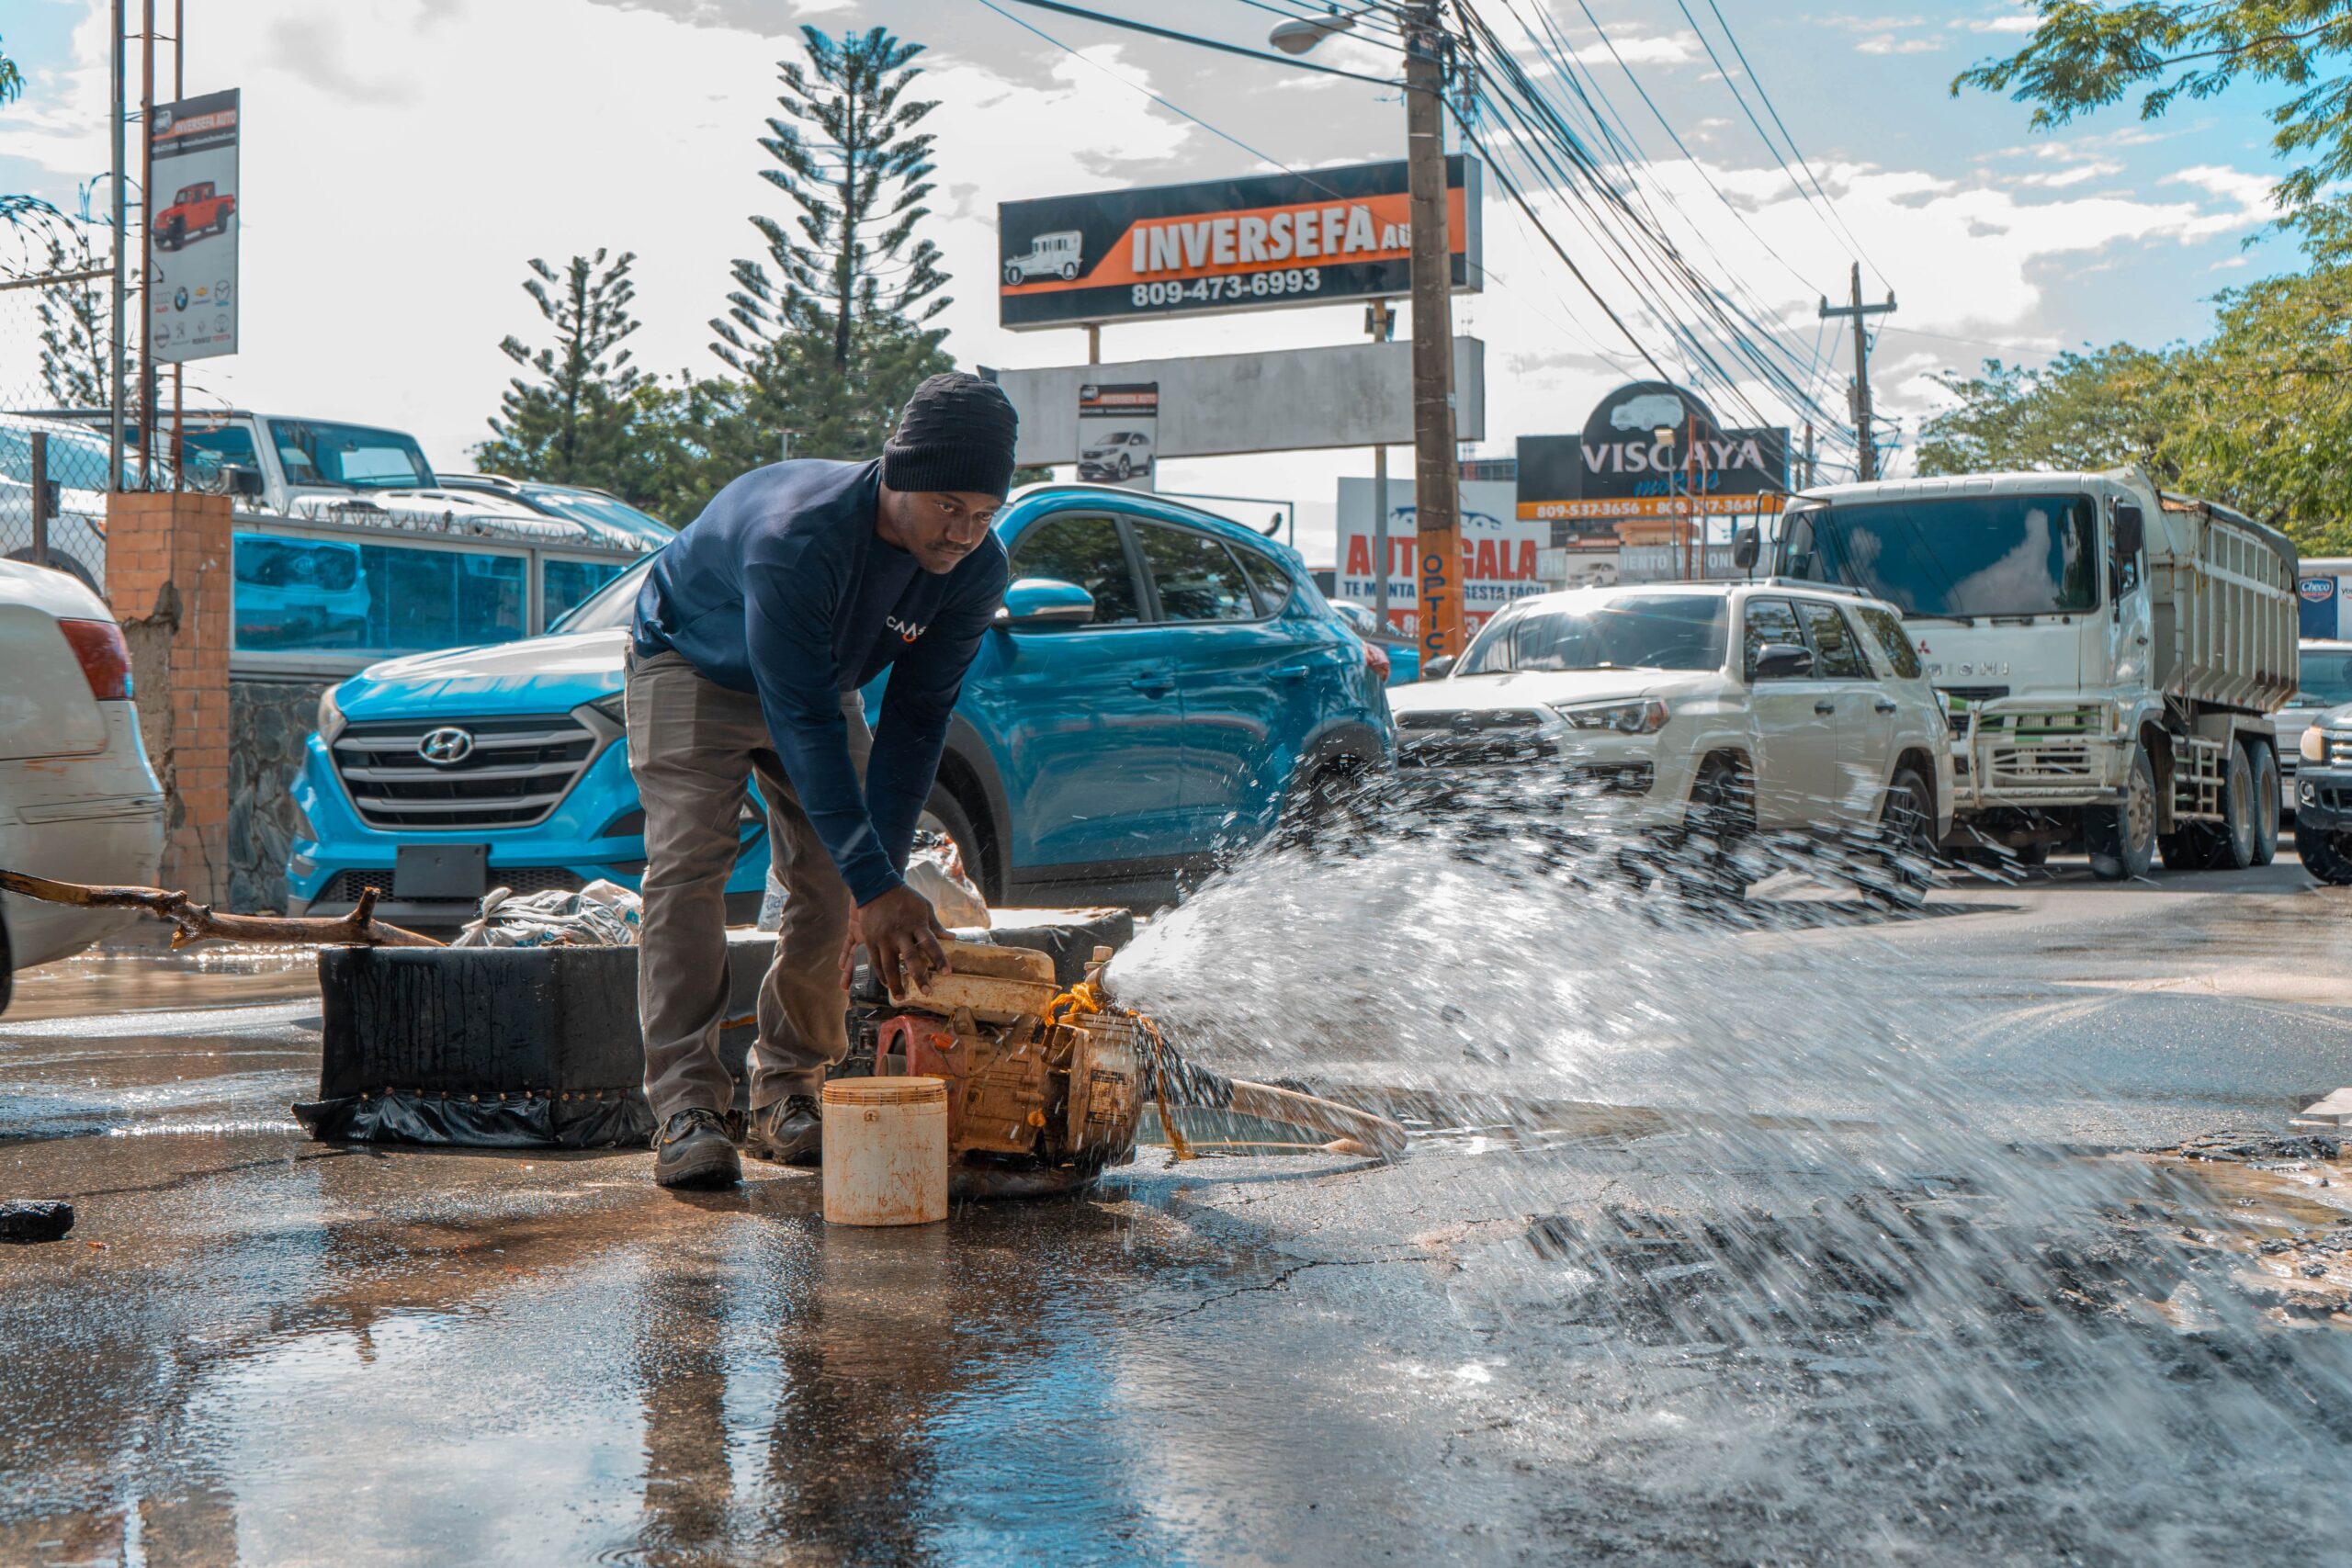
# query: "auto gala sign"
[[192, 224], [1618, 467], [1256, 244]]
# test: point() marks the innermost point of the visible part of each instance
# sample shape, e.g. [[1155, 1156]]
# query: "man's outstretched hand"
[[902, 934]]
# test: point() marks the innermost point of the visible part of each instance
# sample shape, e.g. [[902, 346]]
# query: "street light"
[[1298, 37], [1437, 496]]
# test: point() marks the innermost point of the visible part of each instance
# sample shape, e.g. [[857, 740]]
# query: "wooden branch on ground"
[[197, 922]]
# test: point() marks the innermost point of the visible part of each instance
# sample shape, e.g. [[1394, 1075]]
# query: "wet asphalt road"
[[256, 1348]]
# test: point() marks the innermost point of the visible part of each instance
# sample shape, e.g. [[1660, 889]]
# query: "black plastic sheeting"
[[618, 1119]]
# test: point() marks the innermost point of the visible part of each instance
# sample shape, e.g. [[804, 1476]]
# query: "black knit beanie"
[[955, 432]]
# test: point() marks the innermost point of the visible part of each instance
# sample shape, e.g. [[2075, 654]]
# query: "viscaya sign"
[[1620, 468], [1222, 245]]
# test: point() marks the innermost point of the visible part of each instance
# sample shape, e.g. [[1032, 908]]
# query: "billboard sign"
[[1618, 468], [194, 211], [1118, 432], [2322, 601], [1501, 554], [1216, 246], [1210, 405]]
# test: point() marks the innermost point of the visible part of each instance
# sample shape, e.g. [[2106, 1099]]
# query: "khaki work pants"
[[693, 746]]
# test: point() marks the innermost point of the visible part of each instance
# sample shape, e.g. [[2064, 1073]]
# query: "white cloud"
[[2025, 23], [1887, 43]]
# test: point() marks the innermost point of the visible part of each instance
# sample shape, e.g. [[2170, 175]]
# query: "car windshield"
[[612, 606], [1955, 556], [610, 519], [2326, 680], [1649, 631], [351, 456]]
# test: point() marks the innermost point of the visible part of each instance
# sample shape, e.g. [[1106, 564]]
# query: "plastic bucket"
[[886, 1151]]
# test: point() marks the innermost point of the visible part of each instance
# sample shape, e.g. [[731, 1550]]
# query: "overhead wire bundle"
[[1568, 143]]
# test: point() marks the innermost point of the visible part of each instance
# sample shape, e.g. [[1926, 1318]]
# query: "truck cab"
[[2110, 654]]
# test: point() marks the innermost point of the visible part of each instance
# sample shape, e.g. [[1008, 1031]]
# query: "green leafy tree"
[[2081, 410], [848, 155], [573, 421], [2256, 416], [2085, 55]]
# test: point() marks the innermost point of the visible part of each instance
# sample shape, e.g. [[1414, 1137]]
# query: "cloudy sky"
[[403, 158]]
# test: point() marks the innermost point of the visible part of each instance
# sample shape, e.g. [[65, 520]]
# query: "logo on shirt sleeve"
[[907, 631]]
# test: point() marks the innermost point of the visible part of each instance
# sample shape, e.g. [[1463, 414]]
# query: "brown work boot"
[[692, 1150], [790, 1132]]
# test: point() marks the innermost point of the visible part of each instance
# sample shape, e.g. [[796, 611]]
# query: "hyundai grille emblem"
[[447, 747]]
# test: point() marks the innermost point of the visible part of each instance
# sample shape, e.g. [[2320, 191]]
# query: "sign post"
[[193, 214]]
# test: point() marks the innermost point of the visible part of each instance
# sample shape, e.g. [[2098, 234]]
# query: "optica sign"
[[1222, 245]]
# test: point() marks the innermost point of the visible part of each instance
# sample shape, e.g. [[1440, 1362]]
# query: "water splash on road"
[[1822, 1291]]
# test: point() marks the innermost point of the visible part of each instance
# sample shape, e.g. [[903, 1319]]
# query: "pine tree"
[[858, 171], [573, 423], [75, 321]]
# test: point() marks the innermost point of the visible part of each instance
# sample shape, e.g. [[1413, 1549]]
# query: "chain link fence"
[[55, 331]]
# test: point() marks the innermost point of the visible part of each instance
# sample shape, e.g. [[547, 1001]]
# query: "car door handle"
[[1288, 672], [1153, 686], [1884, 706], [1826, 705]]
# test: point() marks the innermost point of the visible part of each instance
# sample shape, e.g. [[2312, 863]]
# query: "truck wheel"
[[2234, 841], [2190, 849], [2265, 764], [1012, 274], [2122, 839], [2327, 856]]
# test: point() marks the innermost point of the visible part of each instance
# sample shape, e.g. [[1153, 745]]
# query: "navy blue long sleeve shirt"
[[782, 588]]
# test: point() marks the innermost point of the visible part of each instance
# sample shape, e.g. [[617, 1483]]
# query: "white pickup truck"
[[2112, 654]]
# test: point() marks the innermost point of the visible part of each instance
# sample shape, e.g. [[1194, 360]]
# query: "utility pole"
[[1807, 468], [1436, 495], [1865, 443], [146, 229], [1692, 516], [1380, 321], [116, 389]]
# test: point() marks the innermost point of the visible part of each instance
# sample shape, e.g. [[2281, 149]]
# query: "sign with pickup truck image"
[[1222, 245], [192, 293]]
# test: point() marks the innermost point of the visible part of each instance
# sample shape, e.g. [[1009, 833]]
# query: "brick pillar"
[[169, 578]]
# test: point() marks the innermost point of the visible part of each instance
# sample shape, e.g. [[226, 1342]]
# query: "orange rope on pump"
[[1083, 1000]]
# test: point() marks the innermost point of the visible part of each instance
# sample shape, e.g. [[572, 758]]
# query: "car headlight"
[[2314, 746], [1646, 716], [331, 719], [613, 707]]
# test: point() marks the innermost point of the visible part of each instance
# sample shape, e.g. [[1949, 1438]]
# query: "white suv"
[[1722, 707]]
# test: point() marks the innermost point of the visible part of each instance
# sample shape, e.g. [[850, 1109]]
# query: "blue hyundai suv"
[[1160, 686]]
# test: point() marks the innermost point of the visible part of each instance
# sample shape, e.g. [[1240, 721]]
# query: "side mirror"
[[1438, 668], [1744, 549], [1034, 602], [1782, 661], [2130, 530], [239, 481]]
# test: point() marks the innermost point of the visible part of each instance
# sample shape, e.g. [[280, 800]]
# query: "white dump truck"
[[2110, 655]]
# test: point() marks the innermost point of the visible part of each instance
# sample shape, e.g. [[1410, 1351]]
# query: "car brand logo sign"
[[446, 747]]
